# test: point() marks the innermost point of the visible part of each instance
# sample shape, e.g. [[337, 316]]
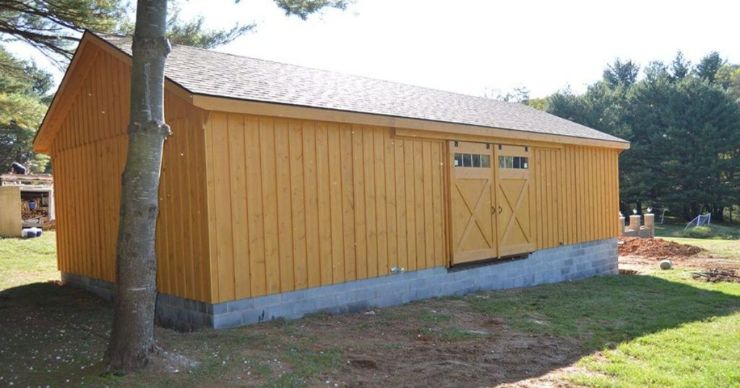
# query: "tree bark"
[[132, 338]]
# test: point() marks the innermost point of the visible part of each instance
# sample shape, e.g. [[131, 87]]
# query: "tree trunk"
[[718, 213], [132, 337]]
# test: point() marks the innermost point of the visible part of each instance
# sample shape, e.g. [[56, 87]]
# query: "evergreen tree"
[[621, 73], [680, 67], [23, 97], [684, 129], [708, 67]]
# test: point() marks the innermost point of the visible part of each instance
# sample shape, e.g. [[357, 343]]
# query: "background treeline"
[[24, 96], [683, 121]]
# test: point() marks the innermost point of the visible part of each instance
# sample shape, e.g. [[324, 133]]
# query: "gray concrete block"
[[218, 308], [562, 263], [241, 304]]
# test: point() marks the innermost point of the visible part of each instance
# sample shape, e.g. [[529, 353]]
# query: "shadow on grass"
[[53, 334], [599, 313], [50, 334]]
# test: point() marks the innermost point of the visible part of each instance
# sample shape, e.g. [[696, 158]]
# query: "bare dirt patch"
[[431, 343]]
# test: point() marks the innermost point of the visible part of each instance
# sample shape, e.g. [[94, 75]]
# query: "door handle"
[[493, 209], [500, 209]]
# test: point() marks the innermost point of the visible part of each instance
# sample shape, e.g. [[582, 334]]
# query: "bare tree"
[[132, 338]]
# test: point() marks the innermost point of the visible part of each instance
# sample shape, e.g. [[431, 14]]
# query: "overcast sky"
[[476, 46]]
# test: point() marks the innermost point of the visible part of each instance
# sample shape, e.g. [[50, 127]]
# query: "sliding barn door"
[[513, 200], [472, 199]]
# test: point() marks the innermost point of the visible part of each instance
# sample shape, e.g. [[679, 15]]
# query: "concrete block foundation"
[[564, 263]]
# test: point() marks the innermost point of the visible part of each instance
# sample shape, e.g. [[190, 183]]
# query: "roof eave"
[[266, 108], [45, 134]]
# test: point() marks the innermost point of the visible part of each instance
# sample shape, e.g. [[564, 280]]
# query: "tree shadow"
[[51, 334], [580, 318], [533, 331]]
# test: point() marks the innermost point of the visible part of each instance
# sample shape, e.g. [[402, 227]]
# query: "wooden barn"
[[288, 190]]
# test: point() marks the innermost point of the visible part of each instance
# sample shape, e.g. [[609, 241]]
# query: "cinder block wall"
[[569, 262]]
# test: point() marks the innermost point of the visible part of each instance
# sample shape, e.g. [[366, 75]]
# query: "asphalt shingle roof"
[[218, 74]]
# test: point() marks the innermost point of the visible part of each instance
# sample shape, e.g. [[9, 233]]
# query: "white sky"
[[473, 46]]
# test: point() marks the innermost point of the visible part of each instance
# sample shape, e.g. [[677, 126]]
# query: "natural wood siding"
[[575, 195], [254, 205], [88, 156], [296, 204]]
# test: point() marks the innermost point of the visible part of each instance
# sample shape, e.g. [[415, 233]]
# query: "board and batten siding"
[[255, 205], [294, 204], [88, 156], [576, 195]]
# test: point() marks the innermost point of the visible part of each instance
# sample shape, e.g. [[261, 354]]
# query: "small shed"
[[287, 190], [26, 200]]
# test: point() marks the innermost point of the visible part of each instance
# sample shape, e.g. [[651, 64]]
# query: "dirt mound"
[[655, 248], [717, 275]]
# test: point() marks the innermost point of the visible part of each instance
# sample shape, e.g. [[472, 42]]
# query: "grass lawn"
[[24, 261], [724, 240], [658, 329], [714, 231]]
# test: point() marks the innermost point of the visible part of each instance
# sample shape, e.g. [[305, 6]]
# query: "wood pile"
[[36, 213], [38, 216]]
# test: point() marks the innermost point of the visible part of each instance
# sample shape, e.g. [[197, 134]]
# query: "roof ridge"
[[211, 51]]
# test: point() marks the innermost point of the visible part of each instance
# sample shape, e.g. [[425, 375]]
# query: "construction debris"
[[717, 275]]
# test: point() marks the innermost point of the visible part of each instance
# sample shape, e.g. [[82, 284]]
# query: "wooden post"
[[621, 224], [634, 227], [649, 224]]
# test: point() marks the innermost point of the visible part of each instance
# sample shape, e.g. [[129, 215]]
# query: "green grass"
[[721, 240], [729, 249], [24, 261], [713, 231], [696, 354], [647, 330], [661, 329]]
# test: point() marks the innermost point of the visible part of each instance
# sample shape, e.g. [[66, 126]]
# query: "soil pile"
[[656, 248]]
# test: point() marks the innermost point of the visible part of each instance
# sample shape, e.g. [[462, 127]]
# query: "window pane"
[[517, 161], [467, 160], [485, 161], [476, 160], [525, 162], [509, 162], [501, 162], [458, 159]]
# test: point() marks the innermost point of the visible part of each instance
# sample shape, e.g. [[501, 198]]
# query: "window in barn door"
[[472, 160], [520, 162]]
